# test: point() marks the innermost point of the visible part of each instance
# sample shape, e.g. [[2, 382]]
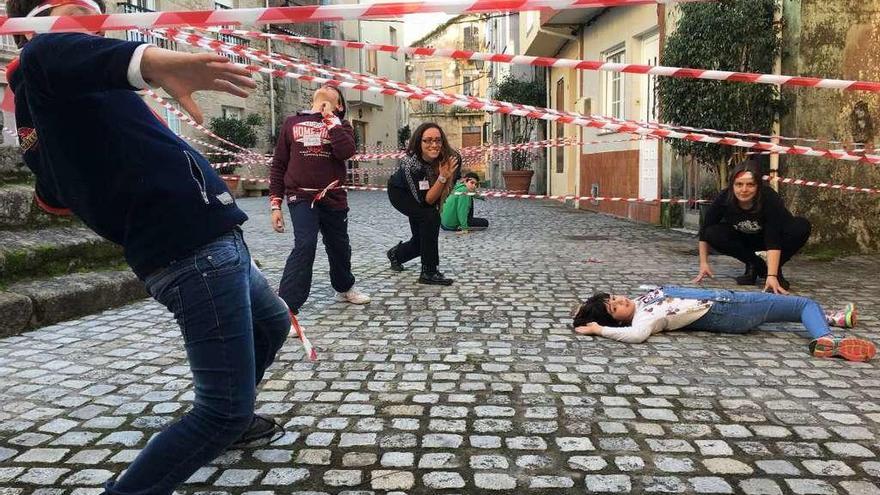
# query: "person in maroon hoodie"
[[308, 170]]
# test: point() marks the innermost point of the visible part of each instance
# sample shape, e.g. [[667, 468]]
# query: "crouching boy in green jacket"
[[458, 210]]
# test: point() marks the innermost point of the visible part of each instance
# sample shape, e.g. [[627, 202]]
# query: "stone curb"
[[38, 303]]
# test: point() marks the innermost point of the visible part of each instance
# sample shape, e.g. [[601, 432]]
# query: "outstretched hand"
[[705, 271], [182, 74], [591, 328], [772, 285]]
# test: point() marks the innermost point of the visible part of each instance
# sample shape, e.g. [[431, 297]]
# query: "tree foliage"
[[513, 90], [240, 132], [732, 35], [403, 135]]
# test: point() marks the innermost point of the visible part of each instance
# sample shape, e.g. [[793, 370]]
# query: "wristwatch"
[[442, 179]]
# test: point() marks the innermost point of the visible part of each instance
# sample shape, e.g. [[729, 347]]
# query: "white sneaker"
[[353, 296]]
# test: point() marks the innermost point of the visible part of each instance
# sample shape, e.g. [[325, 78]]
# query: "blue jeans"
[[296, 282], [232, 325], [739, 312]]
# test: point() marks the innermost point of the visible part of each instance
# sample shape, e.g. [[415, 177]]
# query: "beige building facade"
[[376, 117], [613, 166]]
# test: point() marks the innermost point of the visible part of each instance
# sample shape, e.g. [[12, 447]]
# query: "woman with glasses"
[[417, 189]]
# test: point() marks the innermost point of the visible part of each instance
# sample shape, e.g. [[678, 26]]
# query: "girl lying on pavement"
[[717, 310]]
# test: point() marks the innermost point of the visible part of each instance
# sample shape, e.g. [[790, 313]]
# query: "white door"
[[648, 148]]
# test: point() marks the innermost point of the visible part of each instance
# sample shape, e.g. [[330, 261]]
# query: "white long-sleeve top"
[[655, 312]]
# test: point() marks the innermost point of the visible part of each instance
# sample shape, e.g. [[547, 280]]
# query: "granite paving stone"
[[478, 387]]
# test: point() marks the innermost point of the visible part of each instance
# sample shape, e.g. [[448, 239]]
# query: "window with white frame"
[[7, 42], [232, 112], [392, 40], [614, 104], [434, 79], [171, 119], [372, 62], [469, 83]]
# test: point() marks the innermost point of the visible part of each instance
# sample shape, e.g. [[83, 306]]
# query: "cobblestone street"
[[473, 388]]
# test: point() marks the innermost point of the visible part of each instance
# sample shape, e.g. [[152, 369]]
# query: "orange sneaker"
[[855, 349], [823, 347]]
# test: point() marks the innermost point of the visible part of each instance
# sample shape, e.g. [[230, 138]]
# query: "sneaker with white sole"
[[353, 296]]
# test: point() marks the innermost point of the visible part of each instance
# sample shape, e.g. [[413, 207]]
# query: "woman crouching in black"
[[417, 189], [749, 218]]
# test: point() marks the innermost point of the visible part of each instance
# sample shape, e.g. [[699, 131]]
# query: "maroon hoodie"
[[311, 154]]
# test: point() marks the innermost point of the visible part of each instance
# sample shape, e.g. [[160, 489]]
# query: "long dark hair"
[[754, 168], [595, 310], [414, 148]]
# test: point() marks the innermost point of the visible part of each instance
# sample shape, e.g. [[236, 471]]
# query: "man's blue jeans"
[[739, 312], [232, 325]]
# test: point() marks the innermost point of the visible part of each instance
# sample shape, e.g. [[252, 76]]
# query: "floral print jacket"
[[657, 311]]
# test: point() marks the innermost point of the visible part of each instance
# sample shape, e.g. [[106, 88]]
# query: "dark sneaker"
[[849, 348], [434, 278], [396, 265], [261, 428], [750, 276]]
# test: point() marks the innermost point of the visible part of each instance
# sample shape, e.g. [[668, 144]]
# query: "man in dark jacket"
[[98, 151], [308, 171]]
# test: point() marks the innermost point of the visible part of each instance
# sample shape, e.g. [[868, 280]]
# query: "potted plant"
[[532, 93], [240, 132], [519, 177]]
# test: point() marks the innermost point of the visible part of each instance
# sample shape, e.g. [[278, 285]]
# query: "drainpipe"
[[777, 69], [548, 174], [271, 83]]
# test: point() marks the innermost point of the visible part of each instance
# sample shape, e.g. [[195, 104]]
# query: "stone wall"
[[835, 40]]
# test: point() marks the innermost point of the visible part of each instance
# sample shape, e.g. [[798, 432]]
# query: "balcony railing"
[[135, 35], [231, 39]]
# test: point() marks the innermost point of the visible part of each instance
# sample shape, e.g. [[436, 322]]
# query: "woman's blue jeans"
[[739, 312], [233, 324]]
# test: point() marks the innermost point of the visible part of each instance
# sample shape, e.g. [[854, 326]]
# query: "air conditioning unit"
[[584, 106]]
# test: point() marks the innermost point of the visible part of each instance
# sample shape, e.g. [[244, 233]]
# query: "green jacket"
[[454, 214]]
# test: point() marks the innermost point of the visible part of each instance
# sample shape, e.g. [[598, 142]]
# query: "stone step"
[[16, 202], [12, 167], [53, 251], [18, 211], [36, 303]]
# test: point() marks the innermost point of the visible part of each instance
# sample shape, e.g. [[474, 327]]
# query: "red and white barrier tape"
[[283, 60], [493, 149], [248, 163], [415, 92], [652, 70], [289, 15], [306, 343], [815, 183], [584, 121], [186, 118], [478, 150], [559, 197]]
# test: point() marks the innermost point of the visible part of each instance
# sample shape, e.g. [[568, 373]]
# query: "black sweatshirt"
[[767, 222]]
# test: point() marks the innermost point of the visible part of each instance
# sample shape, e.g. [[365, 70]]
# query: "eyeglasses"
[[432, 141]]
